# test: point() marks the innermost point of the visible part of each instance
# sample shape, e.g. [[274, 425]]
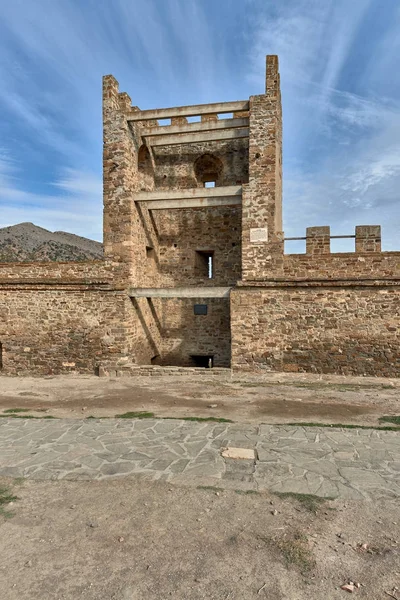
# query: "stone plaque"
[[259, 235]]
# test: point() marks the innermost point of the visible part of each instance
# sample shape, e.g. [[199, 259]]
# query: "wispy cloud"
[[341, 131], [340, 98], [60, 211]]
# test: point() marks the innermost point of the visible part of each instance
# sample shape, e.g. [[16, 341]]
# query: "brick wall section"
[[262, 196], [124, 242], [350, 330], [346, 265], [56, 330], [183, 232], [47, 272]]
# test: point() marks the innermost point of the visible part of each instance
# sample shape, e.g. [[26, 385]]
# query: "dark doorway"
[[205, 362]]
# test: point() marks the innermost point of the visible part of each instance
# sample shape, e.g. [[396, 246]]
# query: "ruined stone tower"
[[192, 205]]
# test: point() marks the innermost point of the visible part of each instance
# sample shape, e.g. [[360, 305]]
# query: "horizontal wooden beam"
[[180, 292], [195, 203], [194, 138], [215, 192], [189, 111], [195, 127]]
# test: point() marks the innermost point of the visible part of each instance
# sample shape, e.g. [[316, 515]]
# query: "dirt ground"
[[276, 398], [130, 539]]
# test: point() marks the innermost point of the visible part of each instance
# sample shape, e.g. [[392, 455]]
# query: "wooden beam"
[[180, 292], [195, 203], [189, 111], [215, 192], [194, 138], [195, 127]]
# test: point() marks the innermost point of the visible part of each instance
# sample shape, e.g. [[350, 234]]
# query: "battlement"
[[318, 239]]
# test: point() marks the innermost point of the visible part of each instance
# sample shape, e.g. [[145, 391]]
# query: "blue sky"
[[340, 85]]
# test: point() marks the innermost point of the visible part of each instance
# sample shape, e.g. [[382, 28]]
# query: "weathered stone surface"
[[172, 450]]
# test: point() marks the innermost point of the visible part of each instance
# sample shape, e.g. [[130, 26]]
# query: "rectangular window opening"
[[203, 361], [150, 253], [225, 115], [204, 264], [194, 119], [164, 122], [209, 184], [200, 309]]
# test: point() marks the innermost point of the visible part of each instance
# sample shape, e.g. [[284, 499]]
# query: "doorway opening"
[[203, 361]]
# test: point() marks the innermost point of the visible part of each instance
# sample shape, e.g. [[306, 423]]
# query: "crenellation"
[[318, 240], [368, 238]]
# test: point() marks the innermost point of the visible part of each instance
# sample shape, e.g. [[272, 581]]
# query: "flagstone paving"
[[328, 462]]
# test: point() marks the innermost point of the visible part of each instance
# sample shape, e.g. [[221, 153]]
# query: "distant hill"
[[27, 243]]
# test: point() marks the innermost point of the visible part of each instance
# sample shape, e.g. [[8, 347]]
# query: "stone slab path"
[[328, 462]]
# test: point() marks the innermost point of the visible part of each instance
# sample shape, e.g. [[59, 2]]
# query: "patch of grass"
[[5, 498], [317, 385], [13, 416], [309, 501], [213, 419], [390, 419], [16, 410], [209, 488], [338, 425], [246, 492], [135, 415], [296, 551]]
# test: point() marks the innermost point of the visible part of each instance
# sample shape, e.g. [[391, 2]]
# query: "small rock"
[[28, 563], [348, 587], [92, 524], [274, 512], [212, 406], [84, 408], [217, 493], [121, 539], [72, 506], [364, 546]]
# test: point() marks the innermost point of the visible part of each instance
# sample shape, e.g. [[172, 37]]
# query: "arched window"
[[145, 169], [208, 170]]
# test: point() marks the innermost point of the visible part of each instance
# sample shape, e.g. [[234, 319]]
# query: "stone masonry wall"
[[182, 232], [262, 245], [58, 329], [173, 332], [348, 329]]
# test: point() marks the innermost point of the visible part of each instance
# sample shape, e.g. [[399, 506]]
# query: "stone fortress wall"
[[194, 271]]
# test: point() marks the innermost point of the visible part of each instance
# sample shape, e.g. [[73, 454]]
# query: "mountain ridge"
[[27, 242]]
